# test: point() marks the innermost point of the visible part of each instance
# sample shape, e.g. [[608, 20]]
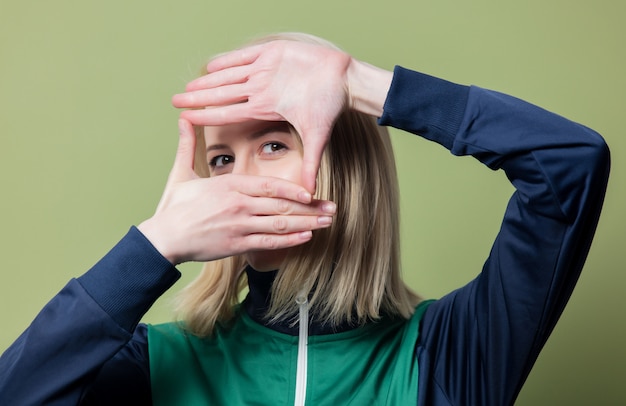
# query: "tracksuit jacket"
[[474, 346]]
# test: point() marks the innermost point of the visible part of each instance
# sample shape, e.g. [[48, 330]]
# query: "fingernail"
[[329, 207], [324, 220], [305, 235]]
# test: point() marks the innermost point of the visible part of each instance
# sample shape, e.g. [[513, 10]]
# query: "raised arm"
[[480, 342]]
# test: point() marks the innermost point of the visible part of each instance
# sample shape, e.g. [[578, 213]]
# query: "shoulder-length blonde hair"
[[351, 270]]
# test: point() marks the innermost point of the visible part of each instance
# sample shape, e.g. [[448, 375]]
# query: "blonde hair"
[[351, 270]]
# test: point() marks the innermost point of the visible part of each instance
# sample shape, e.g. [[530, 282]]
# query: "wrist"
[[152, 233], [368, 86]]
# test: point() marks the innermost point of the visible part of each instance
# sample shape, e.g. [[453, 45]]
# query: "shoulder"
[[414, 324], [170, 335], [166, 328]]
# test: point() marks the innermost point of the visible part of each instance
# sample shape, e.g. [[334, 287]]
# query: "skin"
[[304, 84], [203, 219], [257, 148]]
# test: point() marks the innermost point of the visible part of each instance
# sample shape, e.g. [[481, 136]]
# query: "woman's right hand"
[[203, 219]]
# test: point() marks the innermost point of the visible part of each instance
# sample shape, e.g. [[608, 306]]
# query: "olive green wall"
[[88, 136]]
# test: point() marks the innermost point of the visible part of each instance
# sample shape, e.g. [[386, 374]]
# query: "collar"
[[258, 299]]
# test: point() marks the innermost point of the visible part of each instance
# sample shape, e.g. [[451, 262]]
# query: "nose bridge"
[[245, 165]]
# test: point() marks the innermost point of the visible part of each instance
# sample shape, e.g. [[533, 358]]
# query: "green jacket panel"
[[249, 364]]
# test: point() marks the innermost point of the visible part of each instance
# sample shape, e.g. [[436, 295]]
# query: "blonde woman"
[[288, 187]]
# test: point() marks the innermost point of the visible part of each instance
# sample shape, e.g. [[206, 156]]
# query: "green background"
[[88, 137]]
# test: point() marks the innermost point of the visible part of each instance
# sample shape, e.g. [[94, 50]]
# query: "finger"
[[234, 75], [184, 160], [223, 115], [219, 96], [261, 186], [264, 206], [217, 116], [237, 57], [286, 224], [264, 242], [313, 146]]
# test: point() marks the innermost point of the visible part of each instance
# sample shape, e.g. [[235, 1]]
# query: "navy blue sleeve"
[[478, 343], [88, 325]]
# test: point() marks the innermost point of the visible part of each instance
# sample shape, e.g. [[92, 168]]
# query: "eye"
[[219, 161], [272, 147]]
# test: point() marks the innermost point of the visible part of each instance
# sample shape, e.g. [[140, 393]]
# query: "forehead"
[[247, 129]]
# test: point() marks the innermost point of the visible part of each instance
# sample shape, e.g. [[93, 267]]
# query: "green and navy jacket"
[[474, 346], [247, 363]]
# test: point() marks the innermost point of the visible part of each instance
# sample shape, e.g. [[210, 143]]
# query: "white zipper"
[[303, 337]]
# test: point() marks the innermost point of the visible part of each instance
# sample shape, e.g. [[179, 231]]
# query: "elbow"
[[591, 176], [598, 159], [578, 172]]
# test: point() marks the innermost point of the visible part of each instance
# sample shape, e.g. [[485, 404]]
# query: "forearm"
[[127, 281], [82, 327]]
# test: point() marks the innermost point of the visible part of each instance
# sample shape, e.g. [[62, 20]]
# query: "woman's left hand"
[[298, 82]]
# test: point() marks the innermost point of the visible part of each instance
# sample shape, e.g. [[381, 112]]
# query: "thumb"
[[184, 161], [313, 145]]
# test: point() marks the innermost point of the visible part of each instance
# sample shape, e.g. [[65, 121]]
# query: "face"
[[259, 148]]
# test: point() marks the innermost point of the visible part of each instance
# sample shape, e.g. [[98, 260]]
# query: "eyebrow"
[[279, 126]]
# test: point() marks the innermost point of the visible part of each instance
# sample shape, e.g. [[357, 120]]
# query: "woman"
[[369, 340]]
